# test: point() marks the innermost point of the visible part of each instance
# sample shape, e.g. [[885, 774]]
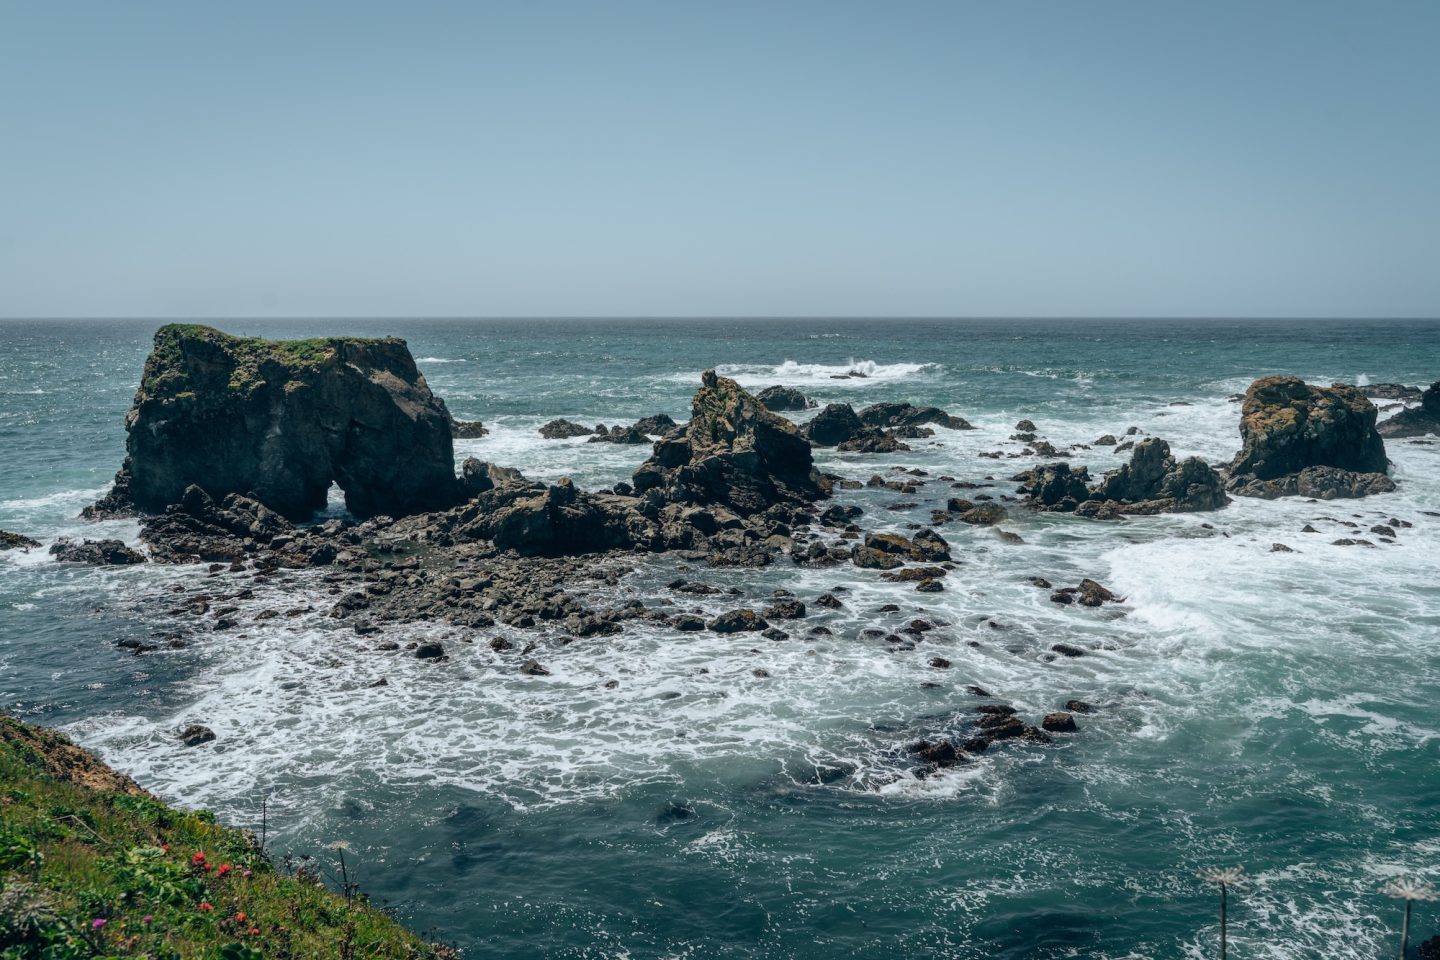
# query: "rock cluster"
[[1304, 440], [1152, 482], [280, 421], [1417, 421], [16, 541]]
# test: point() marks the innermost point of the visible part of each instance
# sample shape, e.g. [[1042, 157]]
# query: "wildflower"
[[240, 917], [205, 906], [147, 918], [97, 923], [245, 874], [254, 931], [165, 847], [199, 857], [1403, 888], [225, 868], [1224, 878]]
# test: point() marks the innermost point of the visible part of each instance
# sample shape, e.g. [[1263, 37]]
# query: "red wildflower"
[[224, 869], [205, 906], [199, 857]]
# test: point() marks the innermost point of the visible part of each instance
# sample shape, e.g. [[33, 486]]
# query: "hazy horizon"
[[640, 159]]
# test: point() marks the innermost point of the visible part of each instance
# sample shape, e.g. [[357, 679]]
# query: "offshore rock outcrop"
[[1304, 440], [1155, 482], [909, 415], [733, 452], [279, 421], [1152, 482], [1417, 421], [779, 399]]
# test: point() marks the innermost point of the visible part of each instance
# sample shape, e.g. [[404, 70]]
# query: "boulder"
[[659, 425], [559, 520], [619, 434], [1417, 421], [1289, 427], [1055, 486], [98, 552], [779, 399], [1154, 482], [467, 429], [280, 421], [872, 441], [734, 453], [909, 415], [16, 541], [834, 425], [564, 430], [195, 734], [737, 621]]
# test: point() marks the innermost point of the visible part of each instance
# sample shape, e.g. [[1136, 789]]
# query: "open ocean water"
[[1276, 710]]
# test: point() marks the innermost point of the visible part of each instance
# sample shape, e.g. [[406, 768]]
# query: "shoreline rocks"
[[16, 541], [1417, 421]]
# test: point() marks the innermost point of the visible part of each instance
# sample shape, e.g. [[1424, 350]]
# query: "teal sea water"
[[1276, 710]]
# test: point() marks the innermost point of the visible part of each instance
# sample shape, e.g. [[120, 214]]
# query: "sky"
[[678, 158]]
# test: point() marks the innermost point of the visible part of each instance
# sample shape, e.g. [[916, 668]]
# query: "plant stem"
[[1223, 931], [1405, 932]]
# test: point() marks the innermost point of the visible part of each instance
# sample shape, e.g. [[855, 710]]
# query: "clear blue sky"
[[729, 158]]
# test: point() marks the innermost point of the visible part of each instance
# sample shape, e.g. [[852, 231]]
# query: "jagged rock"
[[1108, 440], [909, 415], [787, 608], [1391, 391], [1291, 428], [733, 452], [872, 441], [1054, 486], [564, 430], [198, 528], [1026, 426], [659, 425], [1418, 421], [477, 476], [15, 541], [1154, 482], [280, 421], [619, 434], [532, 668], [467, 429], [737, 621], [99, 552], [834, 425], [553, 521], [779, 399]]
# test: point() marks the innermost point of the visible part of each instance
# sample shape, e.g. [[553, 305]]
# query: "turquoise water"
[[1266, 709]]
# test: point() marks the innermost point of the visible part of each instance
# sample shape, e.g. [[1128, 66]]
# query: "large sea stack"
[[733, 452], [1304, 440], [280, 420]]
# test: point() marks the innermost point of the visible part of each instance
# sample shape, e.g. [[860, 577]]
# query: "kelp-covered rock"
[[732, 452], [280, 420], [1155, 482], [1289, 426], [1417, 421]]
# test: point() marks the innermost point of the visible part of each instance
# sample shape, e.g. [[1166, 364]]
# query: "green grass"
[[165, 368], [92, 866]]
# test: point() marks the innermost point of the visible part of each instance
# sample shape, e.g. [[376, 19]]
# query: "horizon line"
[[411, 318]]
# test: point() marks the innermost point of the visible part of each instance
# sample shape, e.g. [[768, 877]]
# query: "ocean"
[[1266, 709]]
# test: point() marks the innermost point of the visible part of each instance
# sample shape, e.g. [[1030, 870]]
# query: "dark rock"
[[733, 452], [532, 668], [100, 552], [1280, 548], [940, 663], [279, 421], [196, 734], [1154, 482], [1066, 650], [737, 621], [1392, 391], [984, 514], [688, 622], [787, 609], [780, 399], [1055, 486], [429, 651], [467, 429], [872, 441], [930, 586], [622, 435], [1108, 440], [834, 425], [1027, 426], [909, 415], [564, 430], [1416, 422], [1308, 441], [1059, 722], [1078, 706], [15, 541], [829, 601], [659, 425]]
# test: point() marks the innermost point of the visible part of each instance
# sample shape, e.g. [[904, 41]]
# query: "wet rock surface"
[[1417, 421]]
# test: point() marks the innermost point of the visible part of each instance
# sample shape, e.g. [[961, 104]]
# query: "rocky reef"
[[1152, 482], [280, 421], [1304, 440], [1417, 421]]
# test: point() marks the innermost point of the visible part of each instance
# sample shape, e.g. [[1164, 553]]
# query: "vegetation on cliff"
[[93, 866]]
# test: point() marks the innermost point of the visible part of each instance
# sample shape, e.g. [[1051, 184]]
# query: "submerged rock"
[[280, 421], [1305, 440], [195, 734], [564, 430]]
